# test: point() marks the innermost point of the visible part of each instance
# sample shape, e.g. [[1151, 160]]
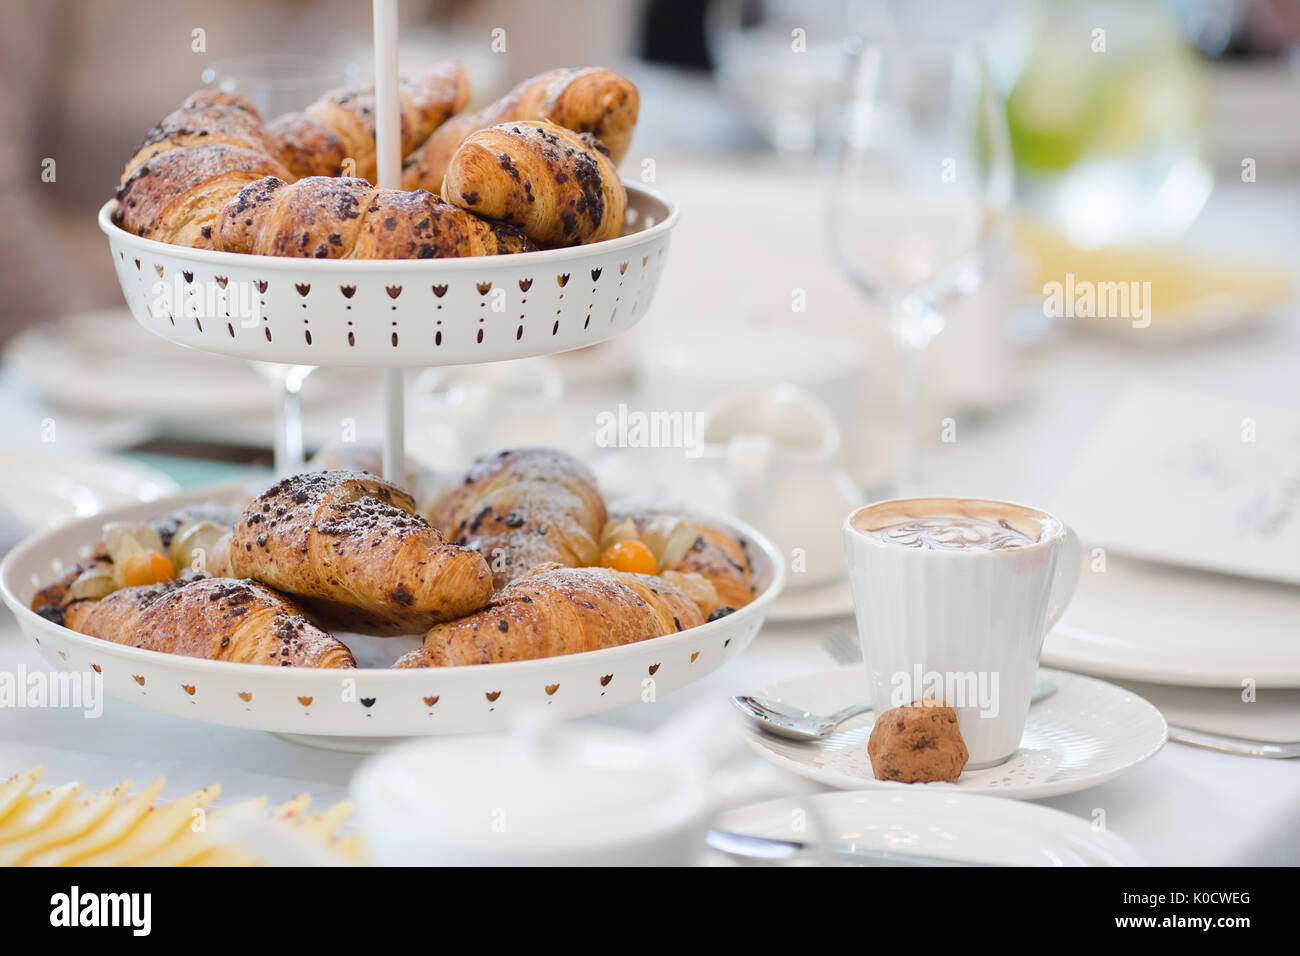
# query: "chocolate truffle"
[[917, 743]]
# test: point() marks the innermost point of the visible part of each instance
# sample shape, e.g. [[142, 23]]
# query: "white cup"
[[964, 625], [779, 453]]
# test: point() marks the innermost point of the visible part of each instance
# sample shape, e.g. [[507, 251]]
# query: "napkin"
[[1192, 478]]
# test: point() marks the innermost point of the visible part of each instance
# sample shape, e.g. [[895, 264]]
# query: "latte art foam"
[[954, 533]]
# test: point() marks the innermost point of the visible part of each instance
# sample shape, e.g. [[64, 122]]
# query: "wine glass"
[[921, 174], [782, 60], [277, 83]]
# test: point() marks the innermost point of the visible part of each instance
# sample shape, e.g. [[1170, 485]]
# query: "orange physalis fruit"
[[146, 567], [632, 556]]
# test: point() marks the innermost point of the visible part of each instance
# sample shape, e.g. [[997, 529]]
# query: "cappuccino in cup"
[[953, 597], [954, 524]]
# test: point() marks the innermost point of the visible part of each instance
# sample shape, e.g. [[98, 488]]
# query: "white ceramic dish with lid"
[[543, 795]]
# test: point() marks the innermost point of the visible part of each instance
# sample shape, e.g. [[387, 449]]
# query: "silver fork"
[[843, 647], [1241, 746]]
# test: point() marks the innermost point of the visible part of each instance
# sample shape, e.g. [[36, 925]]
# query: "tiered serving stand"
[[388, 314]]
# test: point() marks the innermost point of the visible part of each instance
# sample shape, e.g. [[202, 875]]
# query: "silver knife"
[[772, 850]]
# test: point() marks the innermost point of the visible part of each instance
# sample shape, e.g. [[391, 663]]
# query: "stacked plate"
[[919, 828]]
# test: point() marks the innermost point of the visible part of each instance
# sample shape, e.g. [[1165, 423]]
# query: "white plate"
[[948, 826], [1086, 733], [1165, 625], [45, 488], [814, 603], [373, 702], [1213, 316], [105, 363]]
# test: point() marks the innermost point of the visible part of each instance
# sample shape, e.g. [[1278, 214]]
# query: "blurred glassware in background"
[[422, 46], [783, 61], [280, 83], [713, 365], [770, 455], [1210, 24], [922, 174], [461, 411], [1108, 121]]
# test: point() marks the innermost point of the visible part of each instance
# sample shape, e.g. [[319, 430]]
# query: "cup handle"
[[1068, 565]]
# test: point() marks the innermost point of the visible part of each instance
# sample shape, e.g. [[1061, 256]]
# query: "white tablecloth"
[[1186, 806]]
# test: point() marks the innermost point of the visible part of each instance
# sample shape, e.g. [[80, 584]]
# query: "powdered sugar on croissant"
[[324, 217]]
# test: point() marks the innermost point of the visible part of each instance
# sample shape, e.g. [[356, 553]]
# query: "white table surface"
[[1186, 806]]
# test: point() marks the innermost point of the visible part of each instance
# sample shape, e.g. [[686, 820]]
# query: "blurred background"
[[1186, 87], [1153, 141]]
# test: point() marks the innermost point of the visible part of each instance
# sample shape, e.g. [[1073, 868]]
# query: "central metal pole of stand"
[[388, 146], [394, 427]]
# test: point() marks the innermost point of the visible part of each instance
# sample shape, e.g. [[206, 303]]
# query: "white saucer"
[[1151, 622], [105, 363], [1086, 733], [813, 603], [947, 826]]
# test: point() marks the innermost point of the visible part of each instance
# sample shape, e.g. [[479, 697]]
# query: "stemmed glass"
[[278, 83], [782, 60], [922, 171]]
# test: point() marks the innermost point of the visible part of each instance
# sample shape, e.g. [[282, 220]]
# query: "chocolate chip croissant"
[[350, 546], [188, 167], [341, 124], [559, 611], [213, 618], [522, 508], [588, 100], [206, 117], [346, 218], [556, 186]]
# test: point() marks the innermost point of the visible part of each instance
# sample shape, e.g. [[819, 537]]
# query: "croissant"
[[50, 599], [176, 196], [189, 165], [334, 218], [341, 124], [351, 547], [558, 187], [522, 508], [589, 100], [213, 618], [206, 117], [559, 611], [716, 555]]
